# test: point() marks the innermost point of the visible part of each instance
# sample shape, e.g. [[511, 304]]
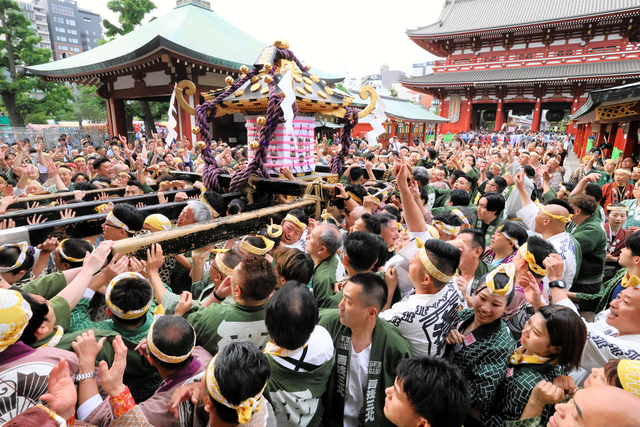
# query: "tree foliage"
[[132, 12], [92, 107], [17, 51]]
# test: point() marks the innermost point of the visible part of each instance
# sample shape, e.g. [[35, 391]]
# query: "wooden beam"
[[183, 239], [275, 186], [45, 199], [52, 213], [378, 173], [91, 225]]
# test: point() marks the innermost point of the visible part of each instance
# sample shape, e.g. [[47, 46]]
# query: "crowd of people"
[[474, 282]]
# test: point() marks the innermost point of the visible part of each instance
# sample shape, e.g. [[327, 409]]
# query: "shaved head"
[[557, 210], [601, 407]]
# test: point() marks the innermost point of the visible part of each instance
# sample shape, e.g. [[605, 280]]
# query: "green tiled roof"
[[404, 110], [188, 30]]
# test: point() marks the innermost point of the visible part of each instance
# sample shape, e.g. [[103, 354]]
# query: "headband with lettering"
[[432, 270], [531, 260], [627, 171], [629, 375], [296, 221], [446, 228], [510, 271], [132, 314], [457, 212], [508, 236], [220, 265], [160, 355], [24, 248], [630, 281], [561, 218], [245, 409], [67, 257], [354, 197], [15, 313], [257, 251], [117, 223], [204, 200], [618, 208], [274, 231]]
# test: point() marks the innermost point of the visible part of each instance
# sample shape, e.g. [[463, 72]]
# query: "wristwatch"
[[80, 377], [557, 284]]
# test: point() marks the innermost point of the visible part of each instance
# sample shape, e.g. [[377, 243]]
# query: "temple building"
[[503, 58]]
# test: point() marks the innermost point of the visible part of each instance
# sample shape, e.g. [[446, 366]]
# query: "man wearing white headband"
[[170, 348]]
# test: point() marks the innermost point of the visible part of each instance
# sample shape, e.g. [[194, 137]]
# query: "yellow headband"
[[158, 222], [68, 258], [433, 231], [213, 211], [609, 161], [326, 216], [432, 270], [274, 231], [445, 228], [354, 197], [629, 375], [296, 221], [61, 422], [508, 237], [563, 188], [628, 172], [524, 153], [23, 246], [460, 214], [618, 208], [507, 269], [160, 355], [244, 409], [133, 314], [531, 260], [257, 251], [562, 219], [221, 266], [124, 174], [498, 165], [119, 224], [15, 313], [62, 168], [630, 281]]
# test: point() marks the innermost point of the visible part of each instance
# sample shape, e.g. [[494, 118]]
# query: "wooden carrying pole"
[[183, 239], [44, 199], [81, 209]]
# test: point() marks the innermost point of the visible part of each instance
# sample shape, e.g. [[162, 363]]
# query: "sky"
[[343, 37]]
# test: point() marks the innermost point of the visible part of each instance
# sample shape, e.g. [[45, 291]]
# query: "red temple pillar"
[[117, 118], [467, 119], [499, 116], [537, 116]]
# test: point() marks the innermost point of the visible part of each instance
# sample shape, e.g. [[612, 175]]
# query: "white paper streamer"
[[376, 124], [286, 85], [171, 125]]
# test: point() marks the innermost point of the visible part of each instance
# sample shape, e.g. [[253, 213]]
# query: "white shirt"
[[562, 242], [319, 350], [358, 378], [425, 320]]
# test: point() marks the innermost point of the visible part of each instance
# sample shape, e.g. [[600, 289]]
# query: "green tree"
[[17, 51], [342, 88], [92, 107], [131, 13]]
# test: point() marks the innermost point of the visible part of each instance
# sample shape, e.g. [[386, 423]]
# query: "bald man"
[[556, 177], [603, 406], [549, 223]]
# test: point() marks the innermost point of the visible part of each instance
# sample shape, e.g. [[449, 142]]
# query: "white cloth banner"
[[376, 124], [171, 125], [286, 85]]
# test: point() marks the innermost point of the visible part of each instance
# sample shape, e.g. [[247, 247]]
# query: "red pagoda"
[[505, 57]]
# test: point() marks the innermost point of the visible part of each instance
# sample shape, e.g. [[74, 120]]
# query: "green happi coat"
[[200, 291], [388, 347], [219, 324], [483, 358], [633, 216], [602, 299], [62, 311], [323, 280], [299, 393], [491, 228], [514, 391]]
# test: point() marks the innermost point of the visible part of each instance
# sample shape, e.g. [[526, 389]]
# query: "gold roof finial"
[[281, 43]]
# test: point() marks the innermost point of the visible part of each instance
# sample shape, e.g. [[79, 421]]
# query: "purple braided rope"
[[349, 121], [274, 117], [211, 167]]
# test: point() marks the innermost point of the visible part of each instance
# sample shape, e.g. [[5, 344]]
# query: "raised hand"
[[61, 395], [67, 214], [36, 219]]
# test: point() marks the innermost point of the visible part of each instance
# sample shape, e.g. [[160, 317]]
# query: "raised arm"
[[412, 213]]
